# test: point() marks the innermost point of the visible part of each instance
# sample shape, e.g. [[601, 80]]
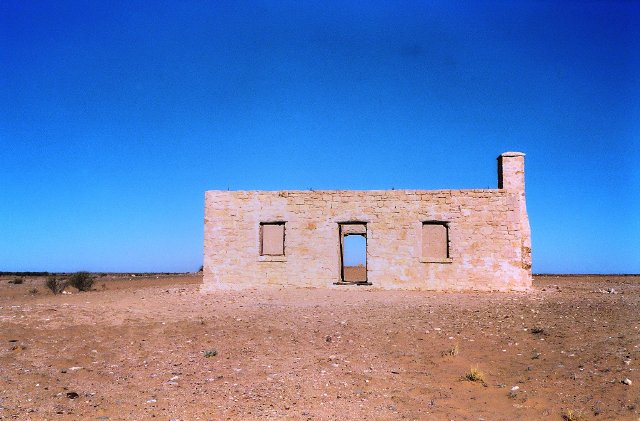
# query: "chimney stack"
[[511, 171]]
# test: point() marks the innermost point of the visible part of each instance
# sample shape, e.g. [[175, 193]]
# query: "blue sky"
[[115, 117]]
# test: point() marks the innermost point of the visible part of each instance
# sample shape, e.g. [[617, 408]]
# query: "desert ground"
[[155, 347]]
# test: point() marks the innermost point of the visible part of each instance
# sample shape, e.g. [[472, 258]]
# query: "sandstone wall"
[[486, 249]]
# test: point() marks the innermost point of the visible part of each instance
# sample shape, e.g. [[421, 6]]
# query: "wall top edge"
[[508, 154], [450, 191]]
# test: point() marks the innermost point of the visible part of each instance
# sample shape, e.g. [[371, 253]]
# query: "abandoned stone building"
[[476, 239]]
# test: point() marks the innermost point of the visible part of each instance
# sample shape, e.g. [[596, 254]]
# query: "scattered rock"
[[210, 353], [627, 381], [72, 395]]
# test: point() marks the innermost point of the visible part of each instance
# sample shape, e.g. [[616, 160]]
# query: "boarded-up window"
[[435, 240], [272, 238]]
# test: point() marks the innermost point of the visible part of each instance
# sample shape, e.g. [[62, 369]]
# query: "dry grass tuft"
[[451, 352], [569, 415], [474, 375]]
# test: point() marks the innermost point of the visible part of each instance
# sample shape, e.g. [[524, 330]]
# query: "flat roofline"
[[362, 190]]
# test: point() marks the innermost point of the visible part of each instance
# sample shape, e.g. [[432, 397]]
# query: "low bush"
[[17, 281], [55, 285], [83, 281]]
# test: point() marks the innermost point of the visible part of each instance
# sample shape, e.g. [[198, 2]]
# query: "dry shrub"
[[55, 285], [83, 281]]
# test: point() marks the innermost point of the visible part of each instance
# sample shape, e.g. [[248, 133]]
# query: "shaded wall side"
[[511, 176], [485, 232]]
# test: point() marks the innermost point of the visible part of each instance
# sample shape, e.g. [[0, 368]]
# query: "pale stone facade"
[[415, 239]]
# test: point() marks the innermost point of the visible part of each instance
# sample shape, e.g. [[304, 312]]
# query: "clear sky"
[[115, 117]]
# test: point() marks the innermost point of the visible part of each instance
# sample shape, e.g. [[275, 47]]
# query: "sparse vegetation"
[[33, 291], [83, 281], [56, 285], [569, 415], [17, 281], [451, 352], [474, 375], [537, 330]]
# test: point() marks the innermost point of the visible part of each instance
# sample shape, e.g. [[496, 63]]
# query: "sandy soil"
[[136, 348]]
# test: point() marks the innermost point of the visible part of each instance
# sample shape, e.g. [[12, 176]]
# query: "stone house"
[[476, 239]]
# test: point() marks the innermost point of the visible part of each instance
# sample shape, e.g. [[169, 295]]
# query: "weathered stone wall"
[[489, 243]]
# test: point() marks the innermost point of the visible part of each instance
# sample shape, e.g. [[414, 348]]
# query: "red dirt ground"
[[135, 349]]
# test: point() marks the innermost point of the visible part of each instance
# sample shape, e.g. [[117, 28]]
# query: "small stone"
[[627, 382], [72, 395], [514, 388]]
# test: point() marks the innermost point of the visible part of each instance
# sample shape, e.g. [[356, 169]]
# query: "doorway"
[[353, 253]]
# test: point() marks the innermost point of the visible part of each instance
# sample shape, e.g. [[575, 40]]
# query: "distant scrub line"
[[95, 273]]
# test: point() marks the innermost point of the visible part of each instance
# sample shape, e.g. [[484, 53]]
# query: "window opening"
[[272, 239], [435, 241]]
